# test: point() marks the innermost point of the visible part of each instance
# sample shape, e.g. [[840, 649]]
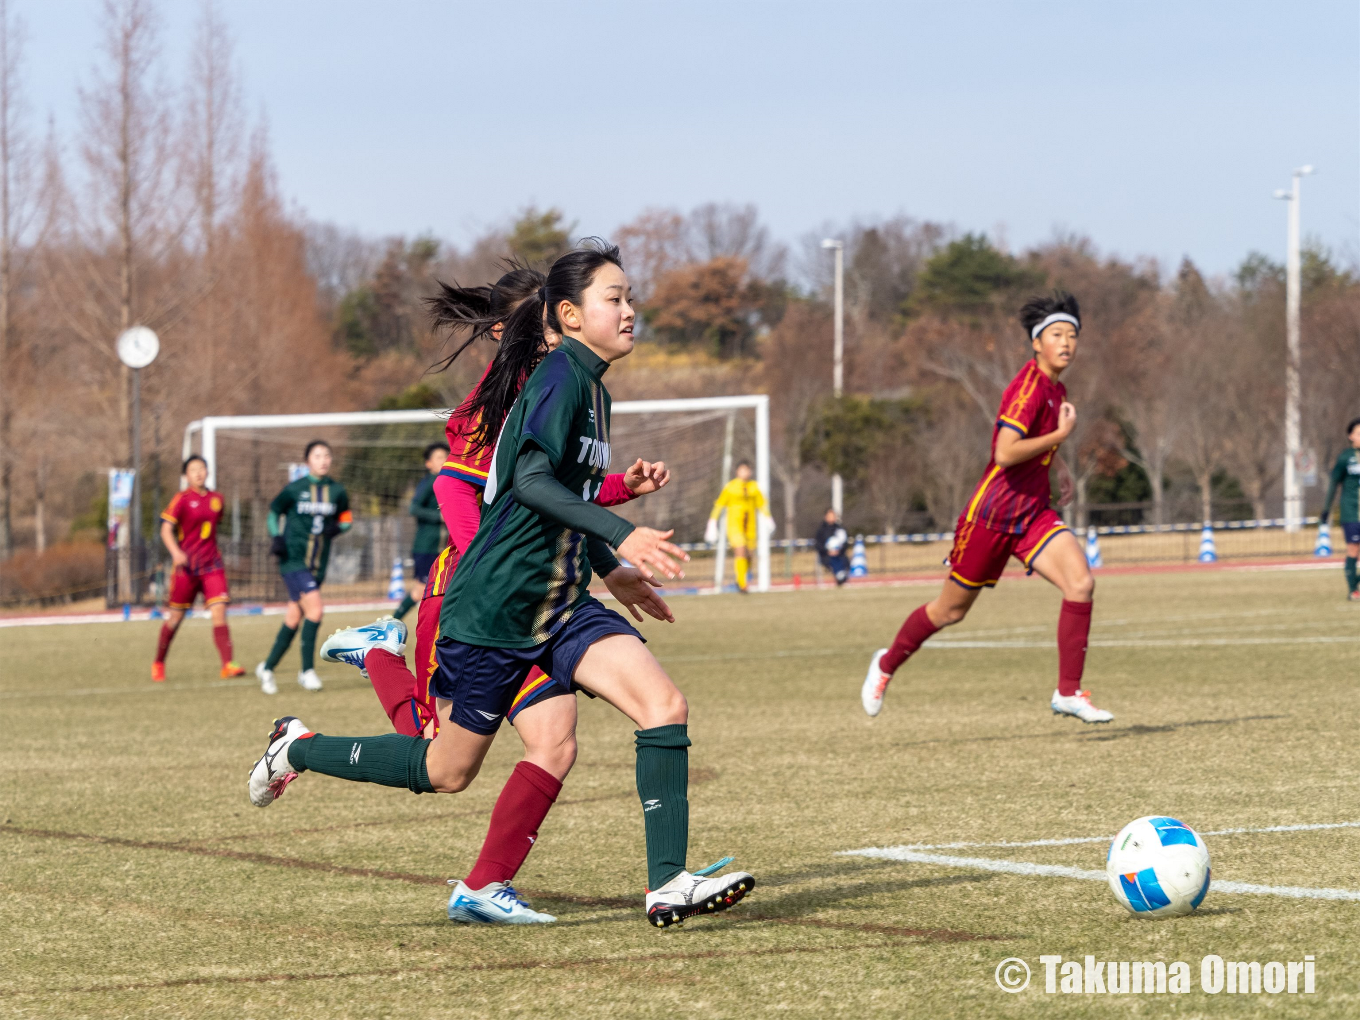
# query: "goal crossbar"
[[207, 429]]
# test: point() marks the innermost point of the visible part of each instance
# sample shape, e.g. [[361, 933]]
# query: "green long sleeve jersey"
[[1346, 477]]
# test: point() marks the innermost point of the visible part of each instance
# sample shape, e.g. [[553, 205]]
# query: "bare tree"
[[15, 212], [795, 356], [1199, 382], [131, 221], [212, 128]]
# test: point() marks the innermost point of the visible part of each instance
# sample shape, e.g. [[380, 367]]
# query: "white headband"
[[1055, 317]]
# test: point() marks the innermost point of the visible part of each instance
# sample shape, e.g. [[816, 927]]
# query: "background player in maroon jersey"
[[189, 531], [1009, 515]]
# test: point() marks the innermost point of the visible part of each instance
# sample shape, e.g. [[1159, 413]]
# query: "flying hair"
[[479, 309], [523, 343], [1037, 309]]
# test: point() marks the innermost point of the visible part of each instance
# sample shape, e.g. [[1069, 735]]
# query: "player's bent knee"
[[1082, 590], [453, 780]]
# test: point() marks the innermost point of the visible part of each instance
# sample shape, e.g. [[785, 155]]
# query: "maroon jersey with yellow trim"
[[465, 463], [195, 516], [1008, 499], [441, 573]]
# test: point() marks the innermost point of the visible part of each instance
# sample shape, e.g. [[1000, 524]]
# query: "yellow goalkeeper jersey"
[[743, 501]]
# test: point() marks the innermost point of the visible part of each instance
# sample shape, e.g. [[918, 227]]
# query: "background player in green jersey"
[[429, 540], [1346, 477], [303, 519], [520, 598]]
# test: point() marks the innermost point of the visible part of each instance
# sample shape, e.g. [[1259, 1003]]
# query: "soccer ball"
[[1158, 867]]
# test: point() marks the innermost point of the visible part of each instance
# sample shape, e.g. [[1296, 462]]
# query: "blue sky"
[[1156, 128]]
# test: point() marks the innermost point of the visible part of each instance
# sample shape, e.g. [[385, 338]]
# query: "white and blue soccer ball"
[[1158, 867]]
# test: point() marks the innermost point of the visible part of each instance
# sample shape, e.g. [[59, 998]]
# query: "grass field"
[[138, 881]]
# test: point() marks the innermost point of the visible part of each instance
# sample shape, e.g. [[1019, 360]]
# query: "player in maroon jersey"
[[1009, 515], [189, 531]]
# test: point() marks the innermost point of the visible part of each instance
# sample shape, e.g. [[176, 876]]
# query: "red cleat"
[[231, 669], [158, 672]]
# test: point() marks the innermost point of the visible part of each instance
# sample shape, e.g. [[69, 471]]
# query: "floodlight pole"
[[838, 370], [1293, 491]]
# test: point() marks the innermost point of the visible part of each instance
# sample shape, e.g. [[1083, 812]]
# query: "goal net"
[[377, 457]]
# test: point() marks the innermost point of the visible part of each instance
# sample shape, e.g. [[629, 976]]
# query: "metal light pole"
[[1293, 492], [838, 372]]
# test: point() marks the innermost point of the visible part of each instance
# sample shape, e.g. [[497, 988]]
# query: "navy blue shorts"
[[1351, 529], [299, 583], [422, 564], [482, 682]]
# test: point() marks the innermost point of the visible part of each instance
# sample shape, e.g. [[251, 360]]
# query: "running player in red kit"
[[1009, 515], [189, 531]]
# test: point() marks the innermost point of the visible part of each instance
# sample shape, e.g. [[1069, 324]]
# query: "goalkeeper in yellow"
[[746, 514]]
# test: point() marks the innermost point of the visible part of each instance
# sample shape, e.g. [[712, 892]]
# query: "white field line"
[[1061, 871], [1071, 840]]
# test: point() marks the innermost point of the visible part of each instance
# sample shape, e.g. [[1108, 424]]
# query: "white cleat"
[[350, 644], [271, 775], [308, 680], [686, 895], [875, 685], [498, 903], [266, 676], [1079, 705]]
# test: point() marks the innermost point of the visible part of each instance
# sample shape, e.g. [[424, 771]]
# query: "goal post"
[[377, 459]]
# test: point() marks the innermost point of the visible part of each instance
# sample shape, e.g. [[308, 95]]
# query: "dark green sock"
[[391, 759], [407, 604], [282, 640], [1350, 573], [308, 648], [663, 788]]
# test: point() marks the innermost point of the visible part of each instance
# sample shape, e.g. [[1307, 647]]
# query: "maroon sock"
[[519, 811], [163, 645], [395, 685], [912, 635], [1074, 626], [222, 639]]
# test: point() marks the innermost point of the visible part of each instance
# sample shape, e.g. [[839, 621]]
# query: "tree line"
[[164, 209]]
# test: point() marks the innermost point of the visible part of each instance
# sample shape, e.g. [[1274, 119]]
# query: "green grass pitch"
[[137, 880]]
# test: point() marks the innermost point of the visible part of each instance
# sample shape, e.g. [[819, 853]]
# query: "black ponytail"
[[479, 309], [523, 343]]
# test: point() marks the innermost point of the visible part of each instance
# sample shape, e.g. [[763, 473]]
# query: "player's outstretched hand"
[[636, 592], [648, 550], [644, 476]]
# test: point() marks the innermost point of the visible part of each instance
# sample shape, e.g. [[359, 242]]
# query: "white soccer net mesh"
[[380, 465]]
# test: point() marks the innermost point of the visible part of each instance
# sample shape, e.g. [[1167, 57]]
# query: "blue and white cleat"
[[498, 903], [350, 644]]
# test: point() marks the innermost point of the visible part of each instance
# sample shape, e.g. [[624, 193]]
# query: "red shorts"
[[979, 555], [184, 587], [535, 685]]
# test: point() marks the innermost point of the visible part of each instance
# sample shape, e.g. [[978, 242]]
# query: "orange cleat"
[[232, 669], [158, 672]]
